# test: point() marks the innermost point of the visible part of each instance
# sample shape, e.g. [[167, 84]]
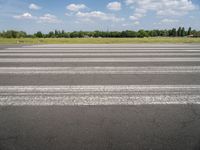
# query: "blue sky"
[[70, 15]]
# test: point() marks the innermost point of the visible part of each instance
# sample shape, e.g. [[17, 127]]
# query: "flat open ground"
[[100, 97], [97, 40]]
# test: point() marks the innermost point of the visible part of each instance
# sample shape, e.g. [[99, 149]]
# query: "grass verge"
[[97, 40]]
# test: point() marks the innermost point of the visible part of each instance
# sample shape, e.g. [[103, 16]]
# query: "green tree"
[[174, 32], [74, 34], [56, 33], [183, 32], [189, 31], [51, 35], [179, 31], [142, 34], [39, 34]]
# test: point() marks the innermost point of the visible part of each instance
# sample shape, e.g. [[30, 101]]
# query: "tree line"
[[180, 32]]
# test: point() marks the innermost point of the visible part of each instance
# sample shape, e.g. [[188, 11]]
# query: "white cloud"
[[77, 22], [125, 24], [34, 7], [128, 2], [136, 23], [169, 21], [48, 18], [68, 14], [160, 7], [24, 16], [139, 13], [76, 7], [133, 17], [116, 6], [99, 16], [192, 17]]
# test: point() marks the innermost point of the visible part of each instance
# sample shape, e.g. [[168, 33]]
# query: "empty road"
[[100, 97]]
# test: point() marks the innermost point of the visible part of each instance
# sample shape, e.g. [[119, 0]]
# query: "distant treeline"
[[180, 32]]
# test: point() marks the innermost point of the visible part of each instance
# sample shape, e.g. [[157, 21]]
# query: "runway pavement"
[[100, 97]]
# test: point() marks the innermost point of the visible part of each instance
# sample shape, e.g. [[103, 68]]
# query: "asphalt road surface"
[[100, 97]]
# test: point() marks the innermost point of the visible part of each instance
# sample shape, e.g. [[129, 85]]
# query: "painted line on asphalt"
[[99, 95], [102, 88], [101, 70], [97, 100], [99, 54], [174, 59]]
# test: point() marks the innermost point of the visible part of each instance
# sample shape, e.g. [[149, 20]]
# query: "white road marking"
[[102, 88], [98, 54], [97, 100], [101, 70], [99, 95], [174, 59]]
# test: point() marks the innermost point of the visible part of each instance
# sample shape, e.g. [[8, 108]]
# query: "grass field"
[[97, 40]]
